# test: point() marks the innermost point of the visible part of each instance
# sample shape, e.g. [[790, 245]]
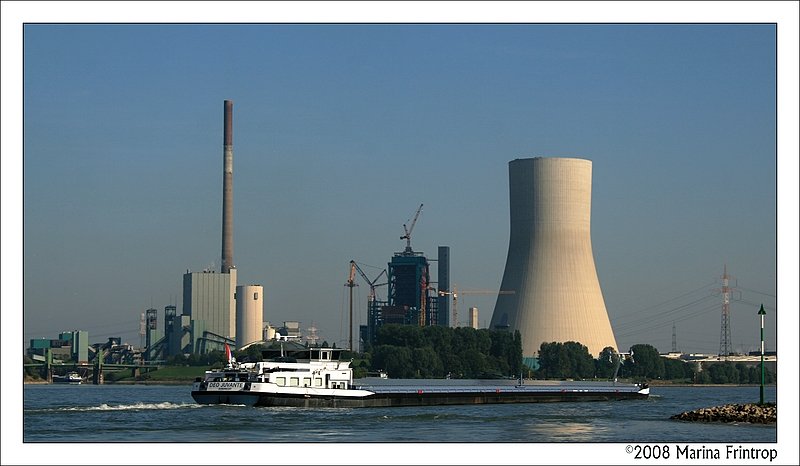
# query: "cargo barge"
[[319, 379]]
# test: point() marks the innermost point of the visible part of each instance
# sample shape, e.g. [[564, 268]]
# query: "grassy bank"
[[164, 374]]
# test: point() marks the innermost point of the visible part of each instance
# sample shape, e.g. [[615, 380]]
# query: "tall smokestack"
[[227, 189]]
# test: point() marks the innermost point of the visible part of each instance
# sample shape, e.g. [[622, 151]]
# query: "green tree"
[[395, 360], [515, 354], [439, 338], [427, 363], [743, 371], [702, 377], [565, 360], [728, 372], [33, 372], [606, 363], [675, 369], [438, 351], [753, 374], [453, 366], [552, 364], [400, 335], [581, 362], [723, 372], [476, 364], [645, 362]]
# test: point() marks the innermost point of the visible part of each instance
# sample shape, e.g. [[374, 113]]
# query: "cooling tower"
[[227, 187], [550, 266], [249, 314]]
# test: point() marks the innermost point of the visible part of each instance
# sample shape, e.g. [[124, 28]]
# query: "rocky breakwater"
[[753, 413]]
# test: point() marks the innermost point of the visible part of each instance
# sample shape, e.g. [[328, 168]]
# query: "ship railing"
[[508, 389]]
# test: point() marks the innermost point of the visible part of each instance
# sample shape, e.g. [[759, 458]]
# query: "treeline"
[[571, 360], [407, 351], [728, 372]]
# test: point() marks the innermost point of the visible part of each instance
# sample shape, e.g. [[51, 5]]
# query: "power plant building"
[[70, 346], [550, 264], [249, 314], [208, 299]]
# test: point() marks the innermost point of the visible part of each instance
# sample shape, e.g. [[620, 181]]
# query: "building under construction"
[[413, 299]]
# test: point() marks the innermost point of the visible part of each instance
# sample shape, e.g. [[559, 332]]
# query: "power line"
[[750, 303], [758, 292], [661, 324], [667, 301], [645, 320]]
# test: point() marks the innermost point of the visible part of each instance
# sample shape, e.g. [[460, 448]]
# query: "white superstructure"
[[320, 376]]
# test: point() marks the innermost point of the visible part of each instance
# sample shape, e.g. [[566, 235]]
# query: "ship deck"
[[499, 386]]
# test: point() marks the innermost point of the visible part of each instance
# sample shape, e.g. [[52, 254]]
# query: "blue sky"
[[341, 131]]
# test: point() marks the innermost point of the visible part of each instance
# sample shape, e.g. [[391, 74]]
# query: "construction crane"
[[408, 230], [372, 283], [351, 283], [455, 294]]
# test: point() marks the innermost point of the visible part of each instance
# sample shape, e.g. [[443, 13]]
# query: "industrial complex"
[[550, 291], [217, 311]]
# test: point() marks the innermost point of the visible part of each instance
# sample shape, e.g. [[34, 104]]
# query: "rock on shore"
[[751, 412]]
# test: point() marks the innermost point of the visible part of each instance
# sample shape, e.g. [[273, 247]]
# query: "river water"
[[167, 414]]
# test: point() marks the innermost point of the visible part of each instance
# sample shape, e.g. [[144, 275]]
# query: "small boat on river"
[[315, 377], [72, 378]]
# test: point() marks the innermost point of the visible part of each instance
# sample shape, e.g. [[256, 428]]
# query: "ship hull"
[[226, 398], [421, 397]]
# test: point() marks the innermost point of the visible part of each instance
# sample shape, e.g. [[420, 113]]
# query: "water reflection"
[[566, 431]]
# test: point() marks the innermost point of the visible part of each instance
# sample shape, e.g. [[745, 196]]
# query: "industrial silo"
[[550, 266], [249, 314]]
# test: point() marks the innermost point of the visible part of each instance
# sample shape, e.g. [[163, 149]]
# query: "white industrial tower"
[[249, 314], [550, 264]]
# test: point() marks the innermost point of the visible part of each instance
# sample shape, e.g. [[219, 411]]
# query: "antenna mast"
[[725, 328]]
